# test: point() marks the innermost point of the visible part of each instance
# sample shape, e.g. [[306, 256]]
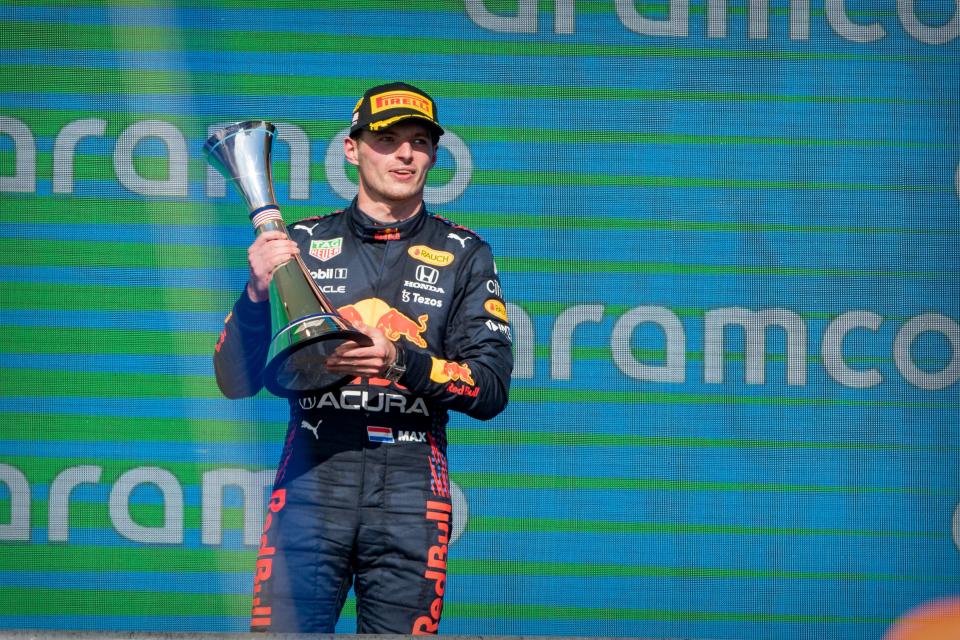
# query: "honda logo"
[[427, 275]]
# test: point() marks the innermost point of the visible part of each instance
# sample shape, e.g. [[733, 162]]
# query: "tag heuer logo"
[[324, 250]]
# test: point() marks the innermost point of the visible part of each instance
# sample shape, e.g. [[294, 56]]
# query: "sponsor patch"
[[496, 309], [413, 296], [499, 327], [262, 611], [380, 434], [390, 233], [436, 570], [393, 99], [427, 278], [357, 400], [374, 312], [427, 275], [324, 250], [329, 274], [446, 371], [435, 257]]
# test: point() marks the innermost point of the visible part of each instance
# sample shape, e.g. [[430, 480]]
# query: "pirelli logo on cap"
[[407, 99]]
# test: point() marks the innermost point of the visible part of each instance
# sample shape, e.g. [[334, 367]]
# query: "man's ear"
[[350, 150]]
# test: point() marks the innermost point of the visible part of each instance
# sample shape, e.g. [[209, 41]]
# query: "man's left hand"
[[352, 359]]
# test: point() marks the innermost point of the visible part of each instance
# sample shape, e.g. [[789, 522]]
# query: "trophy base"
[[296, 362]]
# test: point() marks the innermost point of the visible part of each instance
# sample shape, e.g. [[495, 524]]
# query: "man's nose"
[[404, 149]]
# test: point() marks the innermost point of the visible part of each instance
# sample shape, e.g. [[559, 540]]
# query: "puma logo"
[[306, 228], [462, 241], [311, 428]]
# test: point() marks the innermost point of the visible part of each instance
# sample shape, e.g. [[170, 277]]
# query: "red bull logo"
[[447, 371], [351, 314], [436, 571], [262, 611], [394, 324], [390, 233]]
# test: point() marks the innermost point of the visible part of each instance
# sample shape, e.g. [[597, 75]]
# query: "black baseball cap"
[[387, 104]]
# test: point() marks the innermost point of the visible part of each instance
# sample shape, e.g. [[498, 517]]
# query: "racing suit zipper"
[[385, 448]]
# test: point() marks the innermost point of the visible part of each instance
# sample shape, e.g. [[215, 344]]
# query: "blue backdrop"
[[727, 232]]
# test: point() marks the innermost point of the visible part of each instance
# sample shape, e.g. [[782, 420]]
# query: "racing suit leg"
[[304, 564], [402, 544], [345, 506]]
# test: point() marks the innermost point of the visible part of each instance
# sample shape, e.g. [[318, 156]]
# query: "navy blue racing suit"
[[362, 495]]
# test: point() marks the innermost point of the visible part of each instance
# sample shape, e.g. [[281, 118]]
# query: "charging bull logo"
[[447, 371], [442, 371], [374, 312]]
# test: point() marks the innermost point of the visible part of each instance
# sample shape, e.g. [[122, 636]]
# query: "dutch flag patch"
[[380, 434]]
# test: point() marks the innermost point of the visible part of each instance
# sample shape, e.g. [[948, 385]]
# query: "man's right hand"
[[269, 251]]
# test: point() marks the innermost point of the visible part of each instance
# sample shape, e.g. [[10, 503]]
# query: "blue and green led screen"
[[727, 233]]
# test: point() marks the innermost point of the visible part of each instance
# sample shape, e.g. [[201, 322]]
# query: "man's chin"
[[404, 195]]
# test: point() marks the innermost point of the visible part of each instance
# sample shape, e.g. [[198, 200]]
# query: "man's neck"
[[389, 212]]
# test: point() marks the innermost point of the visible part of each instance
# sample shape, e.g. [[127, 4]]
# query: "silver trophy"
[[306, 326]]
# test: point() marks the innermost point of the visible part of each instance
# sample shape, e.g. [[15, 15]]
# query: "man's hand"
[[270, 250], [351, 359]]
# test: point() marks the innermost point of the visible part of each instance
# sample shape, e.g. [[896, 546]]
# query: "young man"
[[361, 495]]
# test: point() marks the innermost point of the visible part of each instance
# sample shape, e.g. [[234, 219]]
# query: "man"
[[361, 495]]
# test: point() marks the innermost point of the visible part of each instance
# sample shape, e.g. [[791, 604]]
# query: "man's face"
[[392, 163]]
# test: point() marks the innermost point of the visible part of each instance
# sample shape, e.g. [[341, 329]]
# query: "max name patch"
[[394, 99], [385, 435]]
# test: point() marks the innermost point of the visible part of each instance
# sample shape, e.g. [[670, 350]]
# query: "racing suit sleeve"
[[241, 351], [473, 374]]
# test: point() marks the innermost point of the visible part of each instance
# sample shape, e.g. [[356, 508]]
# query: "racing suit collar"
[[370, 230]]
